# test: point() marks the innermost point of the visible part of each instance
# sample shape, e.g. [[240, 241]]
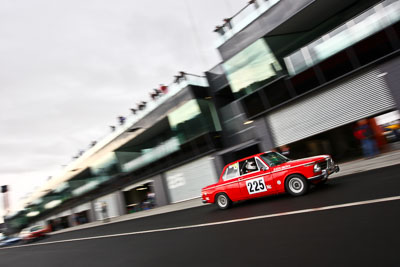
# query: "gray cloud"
[[69, 68]]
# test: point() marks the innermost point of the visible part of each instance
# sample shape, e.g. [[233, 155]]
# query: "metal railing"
[[180, 82], [242, 18]]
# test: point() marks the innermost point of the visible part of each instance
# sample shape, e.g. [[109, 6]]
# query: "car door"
[[230, 182], [267, 175], [254, 181]]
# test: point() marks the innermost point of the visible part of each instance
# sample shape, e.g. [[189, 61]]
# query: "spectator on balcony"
[[220, 30], [256, 5], [142, 105], [121, 120], [180, 77], [155, 94], [227, 22], [163, 89]]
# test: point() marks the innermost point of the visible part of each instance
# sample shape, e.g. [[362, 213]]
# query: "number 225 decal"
[[256, 185]]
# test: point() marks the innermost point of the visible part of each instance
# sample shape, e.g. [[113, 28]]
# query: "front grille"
[[323, 165]]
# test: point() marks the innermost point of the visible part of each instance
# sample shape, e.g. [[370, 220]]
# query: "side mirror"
[[263, 169]]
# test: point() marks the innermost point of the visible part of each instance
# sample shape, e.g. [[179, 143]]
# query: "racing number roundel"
[[256, 185]]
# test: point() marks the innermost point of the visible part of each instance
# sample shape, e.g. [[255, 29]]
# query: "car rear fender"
[[216, 194]]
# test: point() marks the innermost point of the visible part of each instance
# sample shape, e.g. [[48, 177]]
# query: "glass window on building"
[[184, 113], [186, 123], [251, 68], [193, 118], [107, 165], [360, 27]]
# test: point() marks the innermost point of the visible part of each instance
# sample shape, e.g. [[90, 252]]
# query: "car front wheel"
[[223, 201], [296, 185]]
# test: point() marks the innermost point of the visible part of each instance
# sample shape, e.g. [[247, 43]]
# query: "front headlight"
[[317, 168], [330, 163]]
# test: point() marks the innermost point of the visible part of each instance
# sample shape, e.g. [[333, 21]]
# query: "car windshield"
[[274, 158]]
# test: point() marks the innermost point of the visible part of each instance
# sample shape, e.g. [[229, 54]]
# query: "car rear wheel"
[[223, 202], [296, 185]]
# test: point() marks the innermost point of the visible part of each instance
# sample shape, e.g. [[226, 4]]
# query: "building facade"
[[295, 74], [300, 74], [160, 155]]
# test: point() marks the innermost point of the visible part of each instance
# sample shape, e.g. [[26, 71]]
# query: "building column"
[[92, 211], [71, 219], [160, 190], [264, 134], [219, 164], [119, 196]]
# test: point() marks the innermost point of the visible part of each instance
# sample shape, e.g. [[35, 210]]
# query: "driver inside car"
[[250, 166]]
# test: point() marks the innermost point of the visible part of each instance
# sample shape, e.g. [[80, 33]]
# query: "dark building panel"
[[290, 17], [234, 127], [392, 68], [216, 78], [267, 22]]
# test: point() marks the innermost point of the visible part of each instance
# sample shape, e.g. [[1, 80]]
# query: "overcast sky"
[[69, 68]]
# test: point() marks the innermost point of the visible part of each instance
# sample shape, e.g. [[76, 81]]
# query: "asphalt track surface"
[[347, 235]]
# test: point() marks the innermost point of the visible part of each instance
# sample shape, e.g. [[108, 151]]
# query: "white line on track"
[[359, 203]]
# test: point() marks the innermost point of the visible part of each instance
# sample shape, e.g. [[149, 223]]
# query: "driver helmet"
[[251, 166]]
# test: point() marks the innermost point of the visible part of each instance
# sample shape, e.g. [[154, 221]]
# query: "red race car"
[[266, 174], [34, 232]]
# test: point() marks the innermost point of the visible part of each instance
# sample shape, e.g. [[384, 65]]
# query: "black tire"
[[223, 202], [296, 185]]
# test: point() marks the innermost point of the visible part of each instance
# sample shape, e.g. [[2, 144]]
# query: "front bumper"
[[325, 174]]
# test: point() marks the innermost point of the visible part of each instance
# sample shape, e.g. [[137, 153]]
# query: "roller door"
[[112, 203], [341, 103], [185, 182]]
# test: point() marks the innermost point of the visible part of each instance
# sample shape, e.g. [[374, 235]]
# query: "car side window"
[[248, 166], [232, 171], [36, 228]]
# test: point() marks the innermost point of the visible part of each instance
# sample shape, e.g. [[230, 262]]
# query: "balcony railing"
[[242, 18], [173, 89]]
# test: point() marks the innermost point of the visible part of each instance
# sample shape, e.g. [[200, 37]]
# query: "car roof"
[[252, 156]]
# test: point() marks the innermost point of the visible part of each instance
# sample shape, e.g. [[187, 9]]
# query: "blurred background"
[[301, 77]]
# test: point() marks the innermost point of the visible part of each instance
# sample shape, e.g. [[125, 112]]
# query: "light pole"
[[4, 191], [6, 204]]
